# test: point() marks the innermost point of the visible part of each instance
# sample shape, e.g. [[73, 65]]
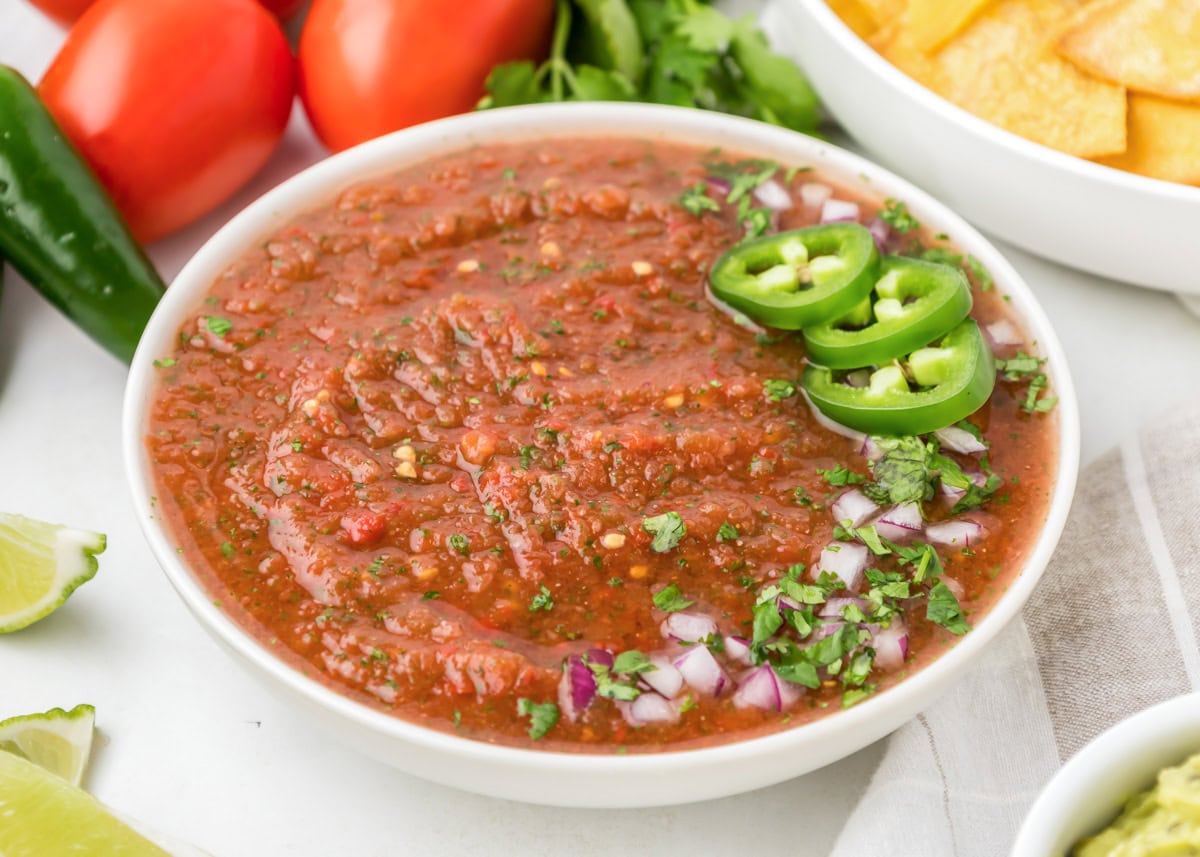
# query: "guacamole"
[[1163, 821]]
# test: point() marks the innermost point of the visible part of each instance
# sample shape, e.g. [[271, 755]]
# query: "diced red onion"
[[688, 627], [832, 609], [1004, 332], [664, 678], [960, 440], [814, 194], [648, 708], [846, 560], [718, 184], [881, 232], [576, 688], [701, 671], [840, 211], [954, 586], [958, 533], [891, 647], [853, 506], [820, 632], [950, 491], [762, 688], [870, 449], [900, 523], [773, 195], [738, 649]]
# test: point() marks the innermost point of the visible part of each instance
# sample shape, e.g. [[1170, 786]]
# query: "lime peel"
[[59, 741], [41, 564]]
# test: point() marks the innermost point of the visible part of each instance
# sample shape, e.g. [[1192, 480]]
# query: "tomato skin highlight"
[[175, 104], [369, 67]]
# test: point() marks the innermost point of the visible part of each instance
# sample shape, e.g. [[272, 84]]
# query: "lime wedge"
[[40, 565], [45, 815], [59, 741]]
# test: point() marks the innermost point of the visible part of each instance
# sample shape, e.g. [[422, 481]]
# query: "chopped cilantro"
[[632, 663], [727, 532], [895, 214], [460, 543], [980, 273], [668, 529], [670, 599], [226, 550], [855, 695], [902, 474], [697, 201], [613, 446], [777, 391], [542, 716], [430, 595], [165, 362], [217, 326], [544, 600], [839, 476], [944, 609]]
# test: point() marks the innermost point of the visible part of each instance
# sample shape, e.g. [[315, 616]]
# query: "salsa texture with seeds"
[[476, 425]]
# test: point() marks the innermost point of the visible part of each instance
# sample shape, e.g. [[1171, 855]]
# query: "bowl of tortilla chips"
[[1067, 127]]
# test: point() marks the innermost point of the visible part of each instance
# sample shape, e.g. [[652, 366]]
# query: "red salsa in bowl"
[[475, 445]]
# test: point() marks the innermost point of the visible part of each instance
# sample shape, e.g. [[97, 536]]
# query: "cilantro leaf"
[[902, 474], [777, 390], [217, 326], [943, 608], [542, 716], [727, 532], [839, 476], [696, 200], [632, 662], [895, 214], [682, 52], [668, 530], [670, 599]]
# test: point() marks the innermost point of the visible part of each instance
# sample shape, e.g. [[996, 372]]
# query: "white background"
[[191, 746]]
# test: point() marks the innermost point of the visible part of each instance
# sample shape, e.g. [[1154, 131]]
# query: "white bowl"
[[573, 779], [1084, 215], [1090, 790]]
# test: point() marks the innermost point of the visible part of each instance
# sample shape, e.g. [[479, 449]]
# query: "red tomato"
[[368, 67], [174, 103], [66, 11], [63, 11]]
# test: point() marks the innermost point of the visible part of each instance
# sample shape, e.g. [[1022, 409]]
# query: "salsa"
[[474, 444]]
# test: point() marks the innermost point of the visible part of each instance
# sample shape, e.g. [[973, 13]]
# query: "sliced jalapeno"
[[796, 279], [935, 387], [914, 303]]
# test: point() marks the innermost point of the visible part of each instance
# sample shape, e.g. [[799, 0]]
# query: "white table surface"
[[193, 747]]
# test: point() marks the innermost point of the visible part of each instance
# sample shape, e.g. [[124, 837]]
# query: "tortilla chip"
[[1003, 68], [856, 15], [1150, 46], [1164, 140], [932, 23]]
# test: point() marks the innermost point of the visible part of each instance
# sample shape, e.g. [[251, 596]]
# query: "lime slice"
[[40, 565], [44, 815], [59, 741]]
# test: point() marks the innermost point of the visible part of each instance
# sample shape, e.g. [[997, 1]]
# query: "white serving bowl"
[[1084, 215], [1090, 790], [573, 779]]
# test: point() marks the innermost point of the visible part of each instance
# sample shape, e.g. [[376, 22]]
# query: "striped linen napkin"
[[1110, 630]]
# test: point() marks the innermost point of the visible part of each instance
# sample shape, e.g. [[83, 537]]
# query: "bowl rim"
[[321, 182], [1049, 813], [1015, 143]]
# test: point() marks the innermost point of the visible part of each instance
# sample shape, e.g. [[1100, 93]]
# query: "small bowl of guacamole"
[[1132, 792]]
